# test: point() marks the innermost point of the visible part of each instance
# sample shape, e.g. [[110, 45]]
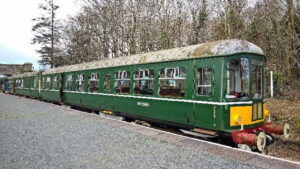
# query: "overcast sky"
[[16, 24]]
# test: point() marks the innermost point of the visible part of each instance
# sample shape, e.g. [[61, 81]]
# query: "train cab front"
[[249, 122]]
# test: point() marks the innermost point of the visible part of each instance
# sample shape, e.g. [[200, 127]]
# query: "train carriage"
[[26, 84], [51, 87], [214, 88]]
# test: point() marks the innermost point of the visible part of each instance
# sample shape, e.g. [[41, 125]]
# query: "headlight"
[[238, 119]]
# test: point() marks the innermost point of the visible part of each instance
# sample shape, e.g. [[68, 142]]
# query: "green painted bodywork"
[[29, 89], [206, 115], [53, 92]]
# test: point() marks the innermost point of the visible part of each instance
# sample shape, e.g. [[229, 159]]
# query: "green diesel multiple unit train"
[[214, 89]]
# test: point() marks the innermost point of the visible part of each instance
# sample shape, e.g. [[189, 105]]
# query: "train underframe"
[[259, 137]]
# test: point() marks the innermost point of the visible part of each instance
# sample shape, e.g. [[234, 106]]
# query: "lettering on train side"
[[143, 104]]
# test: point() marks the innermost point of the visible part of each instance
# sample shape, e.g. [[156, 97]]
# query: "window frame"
[[48, 82], [119, 76], [211, 81], [145, 79], [80, 82], [226, 96], [35, 79], [262, 66], [107, 85], [165, 77], [55, 82], [97, 80], [68, 81]]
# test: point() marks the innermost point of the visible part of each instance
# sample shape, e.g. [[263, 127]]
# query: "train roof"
[[210, 49], [27, 74]]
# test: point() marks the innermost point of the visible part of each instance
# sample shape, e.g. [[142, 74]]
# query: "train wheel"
[[244, 147], [270, 138], [286, 131], [261, 141]]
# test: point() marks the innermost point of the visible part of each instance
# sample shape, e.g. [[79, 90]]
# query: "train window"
[[106, 82], [93, 82], [43, 83], [204, 77], [34, 82], [69, 82], [122, 82], [257, 78], [48, 82], [22, 83], [172, 82], [143, 82], [238, 79], [58, 82], [54, 84], [80, 83], [17, 83]]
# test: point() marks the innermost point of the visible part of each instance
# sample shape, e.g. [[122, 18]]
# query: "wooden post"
[[271, 84]]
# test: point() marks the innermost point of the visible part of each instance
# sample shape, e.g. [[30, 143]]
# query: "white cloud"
[[16, 23]]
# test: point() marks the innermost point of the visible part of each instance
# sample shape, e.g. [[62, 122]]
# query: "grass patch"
[[297, 123]]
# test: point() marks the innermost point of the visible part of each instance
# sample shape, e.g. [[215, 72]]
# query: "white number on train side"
[[143, 104]]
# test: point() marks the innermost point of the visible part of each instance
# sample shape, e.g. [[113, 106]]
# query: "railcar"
[[26, 84], [214, 88], [51, 87], [4, 85]]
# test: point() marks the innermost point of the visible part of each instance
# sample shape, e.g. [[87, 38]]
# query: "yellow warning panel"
[[242, 115]]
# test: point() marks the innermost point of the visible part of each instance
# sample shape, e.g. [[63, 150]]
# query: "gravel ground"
[[35, 134]]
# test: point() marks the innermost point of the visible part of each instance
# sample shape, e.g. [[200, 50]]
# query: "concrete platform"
[[252, 158], [35, 134]]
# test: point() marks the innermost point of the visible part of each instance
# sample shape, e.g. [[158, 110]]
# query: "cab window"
[[238, 79], [257, 78]]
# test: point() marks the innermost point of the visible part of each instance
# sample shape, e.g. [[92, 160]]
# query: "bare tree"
[[47, 33]]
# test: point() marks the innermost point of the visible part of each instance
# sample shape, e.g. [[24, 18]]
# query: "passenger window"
[[54, 85], [143, 82], [94, 82], [204, 78], [80, 83], [44, 82], [48, 82], [106, 82], [34, 82], [172, 82], [69, 82], [122, 82]]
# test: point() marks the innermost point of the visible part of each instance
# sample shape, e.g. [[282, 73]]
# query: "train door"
[[204, 112], [61, 86], [106, 86]]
